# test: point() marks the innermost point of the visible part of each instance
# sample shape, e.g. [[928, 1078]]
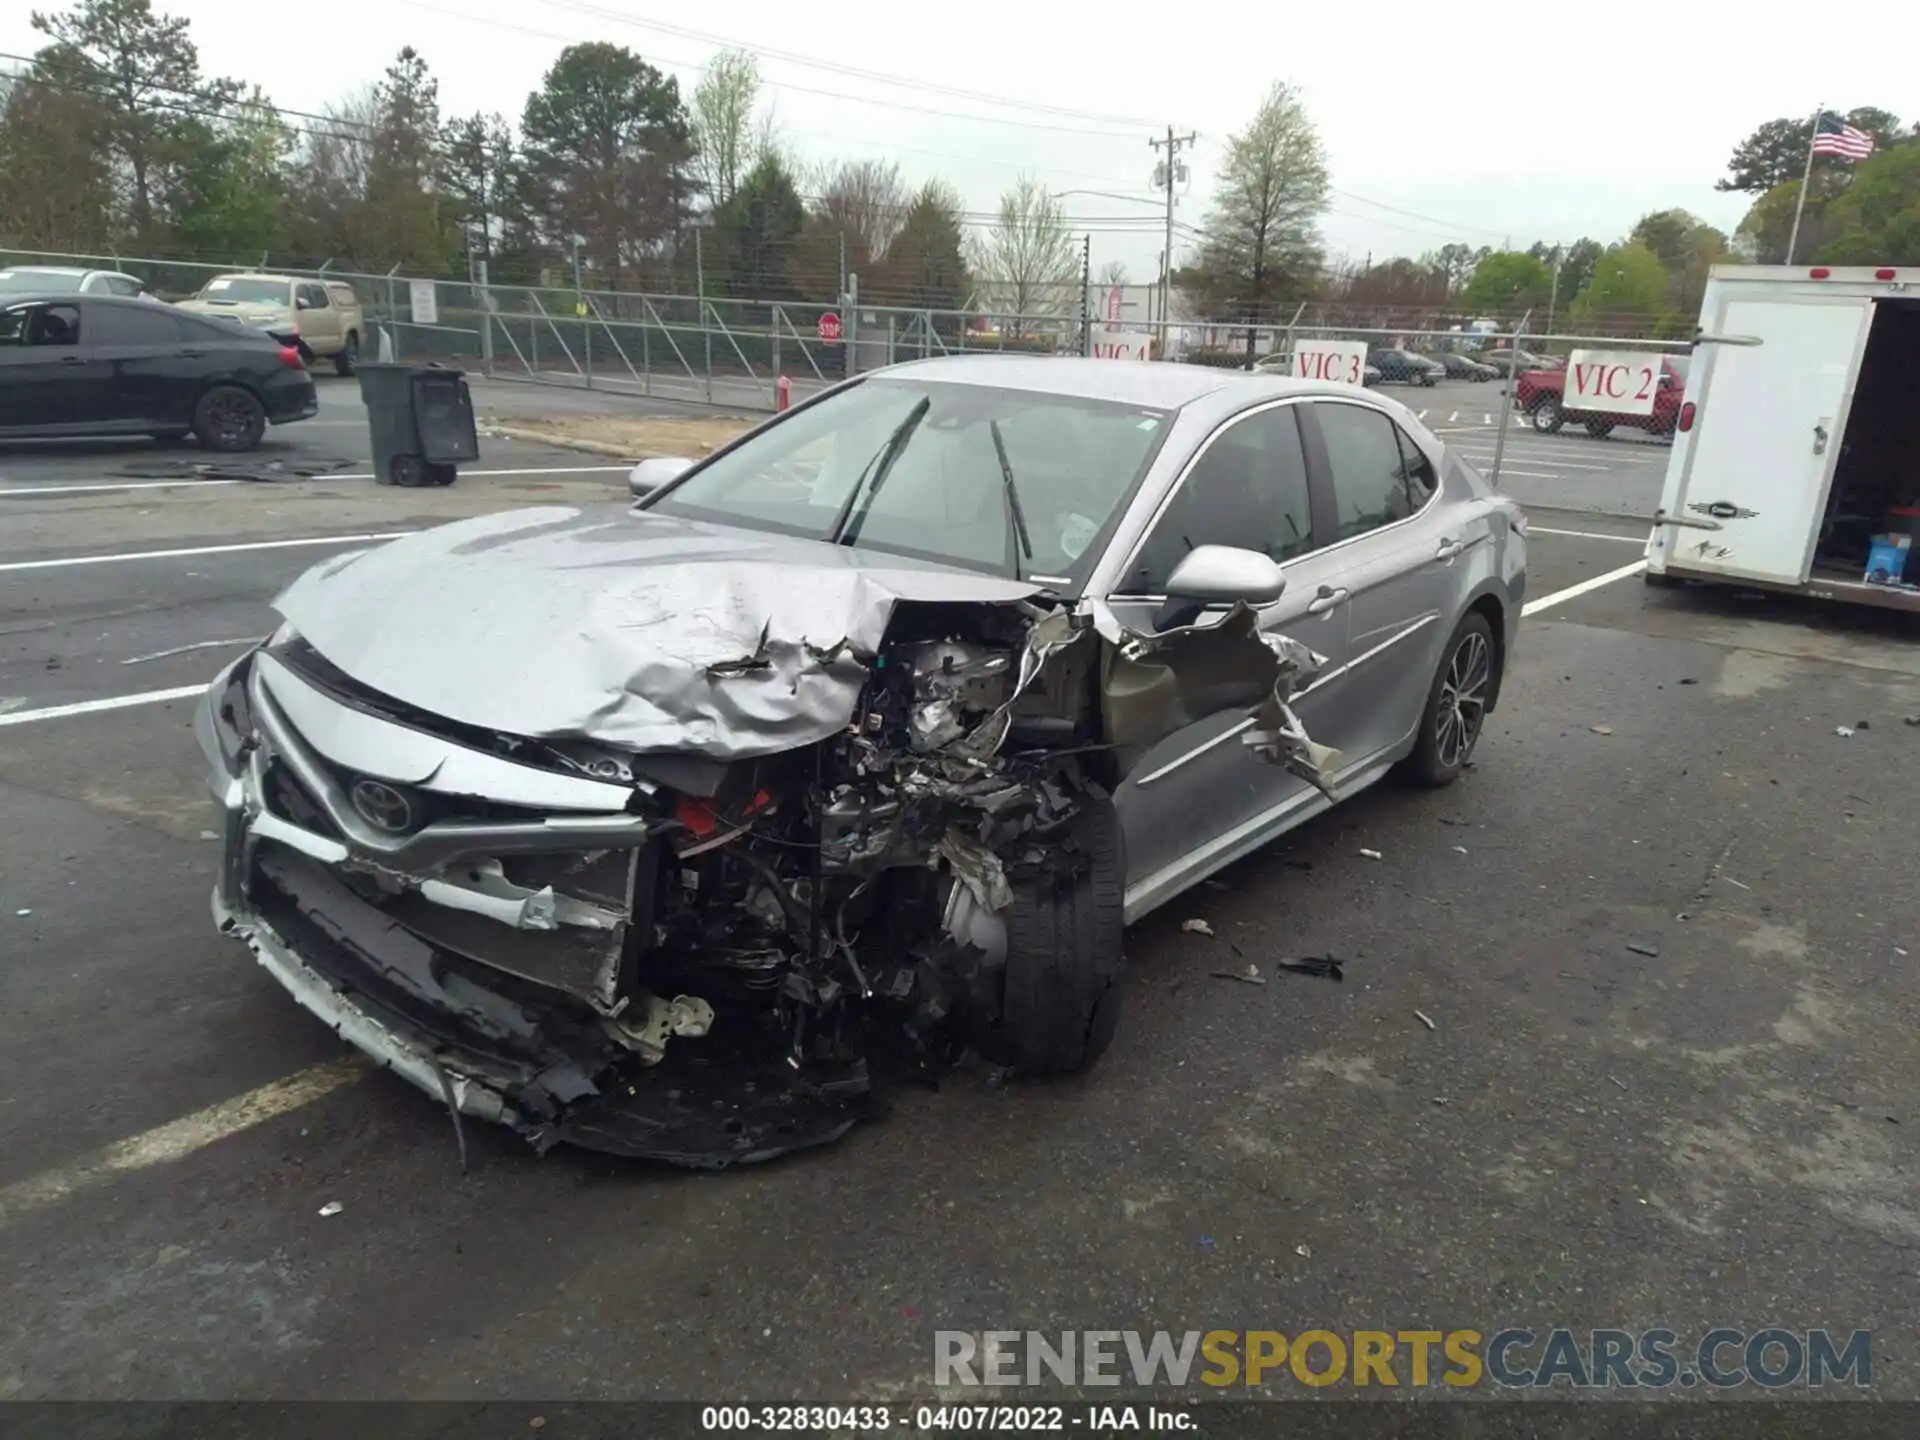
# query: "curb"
[[538, 437]]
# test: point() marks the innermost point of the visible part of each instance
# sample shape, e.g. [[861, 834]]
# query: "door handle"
[[1819, 439], [1329, 598], [72, 360], [191, 354], [1449, 548]]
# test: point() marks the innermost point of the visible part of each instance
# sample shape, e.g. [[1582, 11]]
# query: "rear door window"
[[127, 325], [315, 297], [343, 296], [1367, 469], [53, 326]]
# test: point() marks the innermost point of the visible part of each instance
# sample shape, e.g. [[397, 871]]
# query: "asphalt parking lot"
[[1661, 937]]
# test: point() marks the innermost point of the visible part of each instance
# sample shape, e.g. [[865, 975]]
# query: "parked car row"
[[94, 352]]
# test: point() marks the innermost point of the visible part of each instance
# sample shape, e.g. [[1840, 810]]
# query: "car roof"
[[45, 270], [1163, 384]]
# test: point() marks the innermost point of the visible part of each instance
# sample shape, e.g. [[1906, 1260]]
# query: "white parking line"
[[94, 707], [126, 555], [1453, 417], [9, 491], [1573, 592], [1587, 535], [178, 1138], [1554, 460]]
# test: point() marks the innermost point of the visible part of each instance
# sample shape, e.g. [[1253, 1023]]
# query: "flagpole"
[[1806, 178]]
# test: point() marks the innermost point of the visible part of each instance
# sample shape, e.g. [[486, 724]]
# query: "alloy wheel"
[[1463, 700]]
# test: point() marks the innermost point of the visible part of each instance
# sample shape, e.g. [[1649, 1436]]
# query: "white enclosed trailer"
[[1796, 462]]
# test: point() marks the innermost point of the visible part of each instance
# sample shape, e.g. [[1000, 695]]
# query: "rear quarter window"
[[343, 295]]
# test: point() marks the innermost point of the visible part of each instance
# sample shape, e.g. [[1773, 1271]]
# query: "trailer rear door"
[[1767, 432]]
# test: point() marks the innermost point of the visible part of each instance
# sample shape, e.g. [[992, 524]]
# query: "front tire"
[[1547, 418], [1456, 713], [229, 419], [349, 355], [1061, 998]]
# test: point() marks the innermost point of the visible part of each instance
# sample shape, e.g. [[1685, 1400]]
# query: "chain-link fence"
[[733, 352]]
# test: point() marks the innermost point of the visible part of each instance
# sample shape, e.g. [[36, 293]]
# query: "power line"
[[836, 67]]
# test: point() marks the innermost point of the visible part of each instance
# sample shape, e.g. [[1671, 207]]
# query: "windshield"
[[38, 282], [246, 292], [944, 492]]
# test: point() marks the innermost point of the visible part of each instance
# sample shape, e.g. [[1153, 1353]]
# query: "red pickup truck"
[[1541, 393]]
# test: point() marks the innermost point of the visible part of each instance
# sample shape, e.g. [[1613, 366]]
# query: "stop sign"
[[829, 326]]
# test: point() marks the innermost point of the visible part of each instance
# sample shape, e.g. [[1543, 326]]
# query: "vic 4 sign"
[[1614, 382], [1341, 360]]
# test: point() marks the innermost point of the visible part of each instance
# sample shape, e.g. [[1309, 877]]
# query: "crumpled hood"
[[642, 631]]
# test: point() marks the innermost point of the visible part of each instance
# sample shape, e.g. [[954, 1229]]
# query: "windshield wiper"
[[881, 464], [1015, 517]]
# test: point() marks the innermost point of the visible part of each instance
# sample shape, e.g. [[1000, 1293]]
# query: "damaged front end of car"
[[696, 956]]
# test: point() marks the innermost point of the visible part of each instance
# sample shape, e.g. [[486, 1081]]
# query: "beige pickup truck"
[[326, 313]]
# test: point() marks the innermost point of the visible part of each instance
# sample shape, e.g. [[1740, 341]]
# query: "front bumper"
[[396, 975]]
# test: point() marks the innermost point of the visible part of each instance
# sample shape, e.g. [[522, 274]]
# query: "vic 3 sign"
[[1619, 382], [1341, 360]]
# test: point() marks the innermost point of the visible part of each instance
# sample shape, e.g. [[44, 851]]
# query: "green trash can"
[[420, 420]]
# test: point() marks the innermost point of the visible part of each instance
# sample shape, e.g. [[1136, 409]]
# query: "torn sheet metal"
[[645, 632], [1158, 684]]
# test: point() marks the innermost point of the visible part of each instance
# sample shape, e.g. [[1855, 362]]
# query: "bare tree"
[[728, 141], [866, 200], [1114, 272], [1261, 242], [1028, 263]]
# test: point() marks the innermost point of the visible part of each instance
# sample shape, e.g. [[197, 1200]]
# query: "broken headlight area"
[[706, 961]]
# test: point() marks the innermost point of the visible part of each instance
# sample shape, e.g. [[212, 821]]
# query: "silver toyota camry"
[[676, 829]]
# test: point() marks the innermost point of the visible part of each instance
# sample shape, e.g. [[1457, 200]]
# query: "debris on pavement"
[[1459, 849], [1249, 976], [1601, 729], [1689, 681], [1912, 720], [23, 913], [1651, 952], [1303, 1251], [1196, 927], [1370, 854], [1425, 1019], [1618, 1081], [332, 1207], [1845, 732], [1861, 725], [255, 469], [1320, 967]]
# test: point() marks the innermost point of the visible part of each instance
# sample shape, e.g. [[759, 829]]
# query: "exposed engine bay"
[[698, 959]]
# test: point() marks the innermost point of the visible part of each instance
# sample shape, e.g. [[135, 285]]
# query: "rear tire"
[[408, 471], [1662, 582], [1456, 714], [229, 419], [349, 355], [1061, 998], [1599, 429], [1547, 418]]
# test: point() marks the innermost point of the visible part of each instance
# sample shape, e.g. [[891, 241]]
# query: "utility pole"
[[1164, 174], [1086, 294]]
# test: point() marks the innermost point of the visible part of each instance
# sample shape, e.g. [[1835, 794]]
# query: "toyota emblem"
[[382, 806]]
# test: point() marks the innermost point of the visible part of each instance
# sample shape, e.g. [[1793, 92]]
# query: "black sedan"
[[1404, 367], [1462, 367], [97, 365]]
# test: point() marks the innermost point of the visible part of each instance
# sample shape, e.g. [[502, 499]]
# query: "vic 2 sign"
[[1341, 360], [1618, 382]]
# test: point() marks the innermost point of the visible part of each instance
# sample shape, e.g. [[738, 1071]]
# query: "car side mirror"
[[302, 303], [1218, 575], [651, 475]]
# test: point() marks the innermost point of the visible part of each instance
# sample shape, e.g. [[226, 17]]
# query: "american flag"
[[1833, 136]]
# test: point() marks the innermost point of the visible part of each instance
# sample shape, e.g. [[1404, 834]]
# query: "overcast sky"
[[1482, 123]]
